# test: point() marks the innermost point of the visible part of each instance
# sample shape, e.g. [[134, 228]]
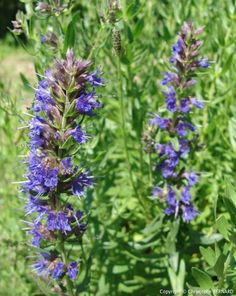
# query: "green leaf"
[[228, 63], [129, 34], [181, 276], [177, 280], [170, 240], [223, 226], [232, 132], [173, 278], [70, 36], [210, 239], [232, 237], [219, 266], [138, 29], [132, 9], [202, 278], [215, 206], [124, 59], [120, 269], [230, 200], [25, 82], [70, 111], [209, 255], [103, 286], [230, 191], [129, 289], [174, 261], [68, 143]]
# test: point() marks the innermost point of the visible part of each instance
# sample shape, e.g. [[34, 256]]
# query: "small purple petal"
[[72, 270]]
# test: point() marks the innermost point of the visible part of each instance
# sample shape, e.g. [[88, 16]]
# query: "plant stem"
[[69, 285], [123, 127], [59, 25], [150, 167], [95, 43], [61, 247]]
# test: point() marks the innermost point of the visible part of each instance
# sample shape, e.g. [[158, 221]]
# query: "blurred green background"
[[131, 252]]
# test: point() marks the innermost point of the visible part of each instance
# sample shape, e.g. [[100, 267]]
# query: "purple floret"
[[184, 148], [58, 270], [203, 63], [192, 178], [79, 135], [84, 180], [161, 122], [87, 103], [36, 235], [185, 105], [58, 221], [197, 103], [94, 78], [188, 213], [72, 270], [66, 165], [171, 99], [157, 191], [185, 195], [169, 77], [183, 127]]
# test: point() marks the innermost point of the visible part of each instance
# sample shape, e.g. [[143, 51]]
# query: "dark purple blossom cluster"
[[62, 100], [179, 133]]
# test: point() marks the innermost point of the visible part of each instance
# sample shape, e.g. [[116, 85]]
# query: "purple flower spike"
[[63, 99], [180, 137]]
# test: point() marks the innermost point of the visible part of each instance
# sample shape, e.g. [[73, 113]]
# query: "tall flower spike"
[[62, 100], [178, 130]]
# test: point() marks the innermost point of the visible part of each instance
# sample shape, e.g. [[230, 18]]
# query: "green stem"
[[139, 130], [150, 168], [95, 43], [69, 286], [61, 247], [59, 25], [123, 127]]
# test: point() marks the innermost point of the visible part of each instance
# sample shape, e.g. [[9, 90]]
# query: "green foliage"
[[130, 248]]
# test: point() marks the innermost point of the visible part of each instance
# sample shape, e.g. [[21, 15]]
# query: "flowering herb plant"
[[64, 98], [179, 137]]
